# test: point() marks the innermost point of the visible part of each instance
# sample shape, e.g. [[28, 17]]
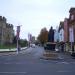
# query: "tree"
[[23, 42], [15, 40], [43, 36]]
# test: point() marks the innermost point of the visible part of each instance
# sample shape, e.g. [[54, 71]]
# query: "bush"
[[7, 46], [23, 43]]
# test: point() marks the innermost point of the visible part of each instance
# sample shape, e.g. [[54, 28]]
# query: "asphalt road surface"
[[29, 62]]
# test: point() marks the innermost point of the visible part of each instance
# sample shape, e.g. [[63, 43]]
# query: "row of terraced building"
[[66, 32]]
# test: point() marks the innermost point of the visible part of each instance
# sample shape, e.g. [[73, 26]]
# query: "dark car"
[[73, 55], [50, 46]]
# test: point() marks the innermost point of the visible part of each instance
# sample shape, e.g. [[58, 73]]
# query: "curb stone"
[[6, 53]]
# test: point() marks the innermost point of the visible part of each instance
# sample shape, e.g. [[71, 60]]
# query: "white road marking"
[[13, 72], [63, 71], [14, 63]]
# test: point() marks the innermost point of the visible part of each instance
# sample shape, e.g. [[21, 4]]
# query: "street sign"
[[18, 31]]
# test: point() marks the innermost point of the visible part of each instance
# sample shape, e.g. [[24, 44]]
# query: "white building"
[[61, 35], [61, 32], [56, 35]]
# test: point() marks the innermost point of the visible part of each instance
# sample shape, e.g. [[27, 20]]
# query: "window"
[[72, 17]]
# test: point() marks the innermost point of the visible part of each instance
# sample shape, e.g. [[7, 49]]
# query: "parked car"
[[73, 55], [32, 45], [56, 48], [50, 46]]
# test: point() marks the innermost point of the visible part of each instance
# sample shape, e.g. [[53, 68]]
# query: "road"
[[29, 62]]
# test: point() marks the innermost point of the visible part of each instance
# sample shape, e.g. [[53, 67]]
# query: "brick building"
[[69, 31], [72, 28]]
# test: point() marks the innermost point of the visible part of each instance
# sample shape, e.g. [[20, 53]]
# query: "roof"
[[72, 9]]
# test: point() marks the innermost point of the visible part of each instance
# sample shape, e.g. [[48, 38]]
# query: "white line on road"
[[13, 72], [13, 63], [63, 71]]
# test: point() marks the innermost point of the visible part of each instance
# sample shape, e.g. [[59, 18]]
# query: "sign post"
[[18, 33]]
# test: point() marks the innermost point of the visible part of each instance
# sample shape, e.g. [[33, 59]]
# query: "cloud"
[[35, 14]]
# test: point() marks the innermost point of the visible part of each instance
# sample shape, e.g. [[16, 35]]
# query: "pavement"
[[52, 55], [11, 51]]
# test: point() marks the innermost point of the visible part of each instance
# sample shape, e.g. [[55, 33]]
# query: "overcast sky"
[[35, 14]]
